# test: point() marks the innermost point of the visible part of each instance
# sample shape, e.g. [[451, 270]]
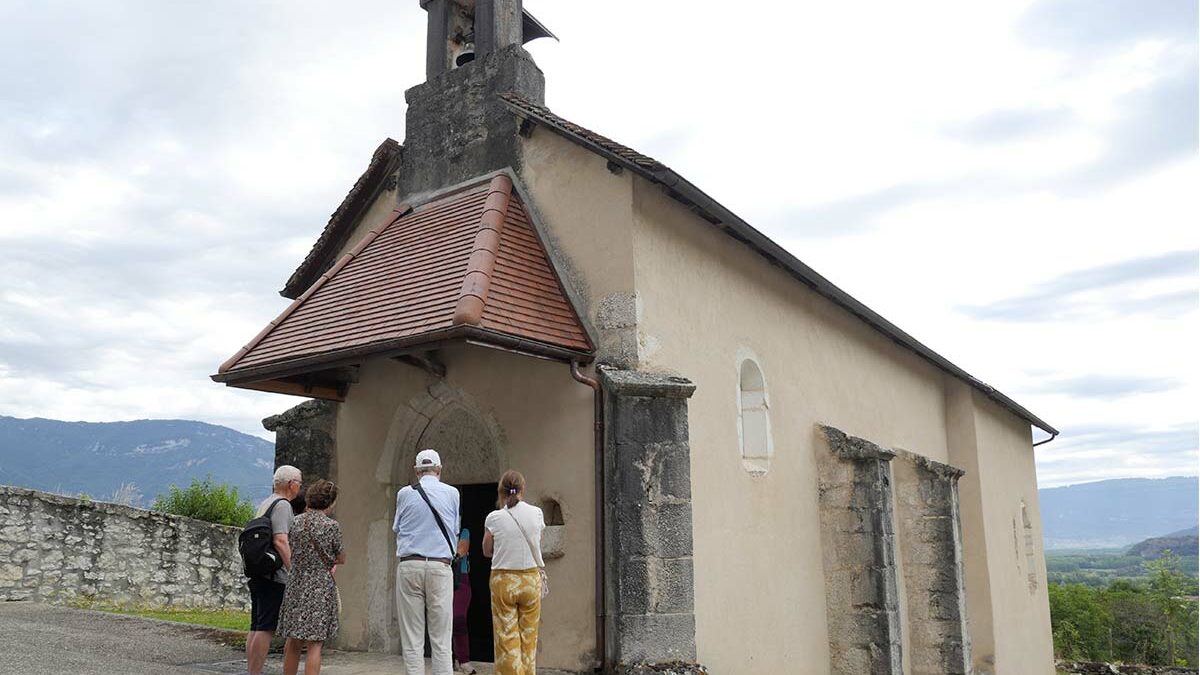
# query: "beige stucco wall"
[[544, 419], [706, 301], [1006, 572], [585, 214]]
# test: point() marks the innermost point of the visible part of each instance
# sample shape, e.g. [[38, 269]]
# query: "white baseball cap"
[[427, 459]]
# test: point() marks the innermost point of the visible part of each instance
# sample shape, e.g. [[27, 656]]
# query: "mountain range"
[[1119, 512], [97, 459]]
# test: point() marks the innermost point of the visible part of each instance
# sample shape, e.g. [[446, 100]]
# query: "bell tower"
[[457, 126], [458, 31]]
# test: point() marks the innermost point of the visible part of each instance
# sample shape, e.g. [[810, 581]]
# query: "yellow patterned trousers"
[[516, 611]]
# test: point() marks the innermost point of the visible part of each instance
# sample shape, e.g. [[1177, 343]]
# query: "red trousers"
[[462, 601]]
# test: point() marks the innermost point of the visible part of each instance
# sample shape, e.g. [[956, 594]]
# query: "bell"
[[466, 56]]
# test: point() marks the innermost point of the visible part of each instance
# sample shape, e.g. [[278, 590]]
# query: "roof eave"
[[398, 347]]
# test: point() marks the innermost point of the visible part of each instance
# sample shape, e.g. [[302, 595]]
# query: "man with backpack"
[[267, 557], [427, 516]]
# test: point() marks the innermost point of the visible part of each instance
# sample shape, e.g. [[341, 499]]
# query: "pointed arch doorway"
[[471, 445]]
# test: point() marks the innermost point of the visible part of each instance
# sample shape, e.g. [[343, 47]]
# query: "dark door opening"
[[477, 501]]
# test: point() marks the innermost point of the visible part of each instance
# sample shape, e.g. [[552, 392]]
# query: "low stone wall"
[[56, 549]]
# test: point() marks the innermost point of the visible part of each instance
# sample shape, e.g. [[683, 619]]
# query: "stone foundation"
[[57, 549]]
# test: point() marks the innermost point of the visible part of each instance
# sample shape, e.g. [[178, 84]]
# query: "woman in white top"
[[512, 538]]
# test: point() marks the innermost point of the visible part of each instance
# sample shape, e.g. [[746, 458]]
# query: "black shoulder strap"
[[438, 517], [272, 507]]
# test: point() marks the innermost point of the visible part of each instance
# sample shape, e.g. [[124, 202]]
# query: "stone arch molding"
[[470, 440]]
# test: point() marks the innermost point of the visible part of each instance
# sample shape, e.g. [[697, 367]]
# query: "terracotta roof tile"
[[469, 260]]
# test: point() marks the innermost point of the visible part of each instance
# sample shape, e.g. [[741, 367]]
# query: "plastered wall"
[[544, 421], [1006, 573], [706, 300]]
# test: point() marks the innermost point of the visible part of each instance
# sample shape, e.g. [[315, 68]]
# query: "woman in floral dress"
[[310, 603]]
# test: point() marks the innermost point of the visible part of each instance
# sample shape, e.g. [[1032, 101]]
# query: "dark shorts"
[[265, 598]]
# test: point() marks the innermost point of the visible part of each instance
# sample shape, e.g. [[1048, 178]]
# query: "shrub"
[[205, 500]]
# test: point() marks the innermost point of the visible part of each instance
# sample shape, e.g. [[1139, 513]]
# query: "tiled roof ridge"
[[370, 236], [340, 220], [482, 264]]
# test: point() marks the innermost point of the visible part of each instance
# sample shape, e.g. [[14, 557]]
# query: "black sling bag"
[[454, 557]]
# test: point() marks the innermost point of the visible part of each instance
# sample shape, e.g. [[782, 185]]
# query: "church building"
[[741, 465]]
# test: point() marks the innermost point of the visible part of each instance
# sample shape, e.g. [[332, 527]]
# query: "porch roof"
[[467, 265]]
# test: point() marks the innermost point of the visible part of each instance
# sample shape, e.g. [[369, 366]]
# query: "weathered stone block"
[[673, 530], [672, 586], [656, 637]]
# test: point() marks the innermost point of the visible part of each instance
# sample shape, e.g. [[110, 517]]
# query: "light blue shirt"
[[417, 532]]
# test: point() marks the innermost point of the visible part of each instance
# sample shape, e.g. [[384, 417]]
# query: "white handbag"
[[533, 552]]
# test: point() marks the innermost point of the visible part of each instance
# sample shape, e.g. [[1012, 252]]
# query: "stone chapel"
[[741, 465]]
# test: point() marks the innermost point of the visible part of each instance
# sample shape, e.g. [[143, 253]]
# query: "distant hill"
[[97, 458], [1184, 543], [1118, 513]]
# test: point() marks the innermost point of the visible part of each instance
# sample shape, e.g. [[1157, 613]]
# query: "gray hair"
[[429, 471], [284, 474]]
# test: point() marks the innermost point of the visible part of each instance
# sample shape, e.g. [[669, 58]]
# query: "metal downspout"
[[601, 614]]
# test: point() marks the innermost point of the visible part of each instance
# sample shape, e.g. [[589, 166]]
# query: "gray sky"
[[1013, 183]]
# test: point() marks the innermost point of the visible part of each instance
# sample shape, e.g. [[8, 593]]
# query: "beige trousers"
[[425, 599]]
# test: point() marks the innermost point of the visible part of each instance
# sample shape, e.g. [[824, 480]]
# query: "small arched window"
[[754, 425]]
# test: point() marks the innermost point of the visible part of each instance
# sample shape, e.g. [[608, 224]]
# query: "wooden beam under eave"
[[296, 389]]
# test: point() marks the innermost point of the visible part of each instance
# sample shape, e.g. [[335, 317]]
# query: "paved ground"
[[44, 640]]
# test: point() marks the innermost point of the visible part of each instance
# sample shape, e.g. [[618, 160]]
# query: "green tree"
[[1079, 620], [205, 500], [1172, 594]]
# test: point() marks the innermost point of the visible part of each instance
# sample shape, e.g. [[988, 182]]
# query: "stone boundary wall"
[[57, 549]]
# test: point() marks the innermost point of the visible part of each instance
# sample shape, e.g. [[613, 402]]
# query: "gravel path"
[[46, 640]]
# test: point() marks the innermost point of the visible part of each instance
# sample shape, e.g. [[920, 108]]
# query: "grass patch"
[[225, 619], [214, 618]]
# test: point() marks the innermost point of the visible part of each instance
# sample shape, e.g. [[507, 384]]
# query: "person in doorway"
[[266, 595], [427, 514], [309, 615], [513, 540], [462, 603]]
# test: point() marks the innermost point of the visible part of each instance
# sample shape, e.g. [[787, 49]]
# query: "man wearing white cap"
[[426, 515]]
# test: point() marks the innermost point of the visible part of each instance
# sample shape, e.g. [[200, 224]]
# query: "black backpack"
[[256, 544]]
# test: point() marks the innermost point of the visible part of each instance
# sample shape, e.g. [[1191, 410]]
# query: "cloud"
[[1182, 438], [1095, 452], [1103, 291], [1156, 126], [1090, 26], [157, 183], [1002, 126], [1107, 386]]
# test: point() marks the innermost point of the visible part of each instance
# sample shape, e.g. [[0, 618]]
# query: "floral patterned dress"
[[310, 602]]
